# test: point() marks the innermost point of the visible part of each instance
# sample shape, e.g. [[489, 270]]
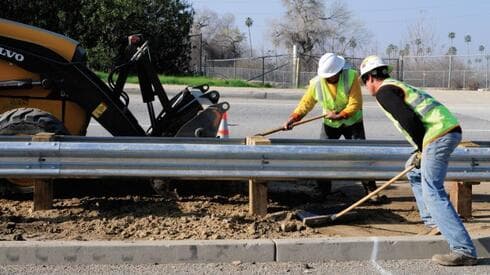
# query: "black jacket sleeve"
[[392, 99]]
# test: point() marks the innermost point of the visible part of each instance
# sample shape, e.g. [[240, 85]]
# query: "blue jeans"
[[432, 201]]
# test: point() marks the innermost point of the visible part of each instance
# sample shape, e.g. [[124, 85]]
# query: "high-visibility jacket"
[[323, 95], [435, 117]]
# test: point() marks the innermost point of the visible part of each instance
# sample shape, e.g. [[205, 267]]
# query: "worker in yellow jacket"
[[338, 91]]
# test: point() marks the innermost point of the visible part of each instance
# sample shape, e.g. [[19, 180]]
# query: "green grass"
[[195, 81]]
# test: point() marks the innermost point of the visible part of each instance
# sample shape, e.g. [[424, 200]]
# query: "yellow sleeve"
[[306, 103], [355, 100]]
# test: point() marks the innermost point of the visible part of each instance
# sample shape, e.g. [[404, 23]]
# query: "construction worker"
[[339, 92], [435, 132]]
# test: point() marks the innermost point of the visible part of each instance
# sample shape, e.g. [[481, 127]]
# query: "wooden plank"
[[43, 195], [460, 194], [43, 188], [43, 137], [257, 189]]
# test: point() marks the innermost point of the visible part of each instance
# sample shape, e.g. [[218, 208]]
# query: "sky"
[[386, 20]]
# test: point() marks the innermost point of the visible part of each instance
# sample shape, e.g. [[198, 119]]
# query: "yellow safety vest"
[[436, 118], [323, 95]]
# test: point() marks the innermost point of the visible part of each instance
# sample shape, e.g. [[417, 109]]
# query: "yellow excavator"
[[46, 86]]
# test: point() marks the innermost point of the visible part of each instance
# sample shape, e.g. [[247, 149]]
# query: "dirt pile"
[[210, 217]]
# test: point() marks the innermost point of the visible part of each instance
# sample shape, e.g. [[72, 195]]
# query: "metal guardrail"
[[74, 157]]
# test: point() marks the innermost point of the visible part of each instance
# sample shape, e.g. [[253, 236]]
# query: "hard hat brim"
[[390, 69], [339, 67]]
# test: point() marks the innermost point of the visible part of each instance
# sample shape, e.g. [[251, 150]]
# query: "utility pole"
[[449, 71], [295, 69]]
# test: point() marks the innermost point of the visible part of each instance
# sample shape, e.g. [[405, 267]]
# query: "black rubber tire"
[[30, 121]]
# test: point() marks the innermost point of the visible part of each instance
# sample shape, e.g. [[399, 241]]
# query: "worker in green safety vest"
[[434, 132], [337, 89]]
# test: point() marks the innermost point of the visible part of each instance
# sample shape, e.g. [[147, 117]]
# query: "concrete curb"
[[233, 93], [137, 252], [219, 251], [373, 248], [275, 93]]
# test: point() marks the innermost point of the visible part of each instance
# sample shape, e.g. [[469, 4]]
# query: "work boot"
[[379, 200], [370, 186], [454, 259]]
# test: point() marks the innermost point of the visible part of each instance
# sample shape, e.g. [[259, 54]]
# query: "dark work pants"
[[355, 131]]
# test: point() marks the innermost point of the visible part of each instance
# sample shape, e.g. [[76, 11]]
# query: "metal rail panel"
[[77, 157]]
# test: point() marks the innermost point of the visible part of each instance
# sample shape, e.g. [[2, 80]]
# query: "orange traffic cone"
[[223, 131]]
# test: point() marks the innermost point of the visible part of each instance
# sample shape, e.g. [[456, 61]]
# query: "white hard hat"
[[372, 62], [330, 64]]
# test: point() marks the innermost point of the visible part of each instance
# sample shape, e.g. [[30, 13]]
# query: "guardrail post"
[[257, 190], [43, 188], [460, 195]]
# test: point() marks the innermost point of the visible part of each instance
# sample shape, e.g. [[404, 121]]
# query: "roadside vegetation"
[[195, 81]]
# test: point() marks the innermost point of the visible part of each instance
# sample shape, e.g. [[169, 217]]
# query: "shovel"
[[328, 219], [272, 131]]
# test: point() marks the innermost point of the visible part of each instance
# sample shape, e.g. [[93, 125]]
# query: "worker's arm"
[[305, 105], [391, 98]]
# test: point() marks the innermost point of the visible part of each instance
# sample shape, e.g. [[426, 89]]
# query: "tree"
[[467, 40], [59, 16], [249, 22], [316, 28], [102, 26], [451, 36], [452, 51], [481, 49], [420, 37], [418, 43], [390, 50], [353, 44], [406, 50], [221, 37]]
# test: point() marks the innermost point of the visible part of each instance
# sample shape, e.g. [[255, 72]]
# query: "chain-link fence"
[[274, 70], [278, 70], [448, 71]]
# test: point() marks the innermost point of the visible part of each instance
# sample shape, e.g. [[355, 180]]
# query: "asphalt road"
[[248, 116], [330, 267]]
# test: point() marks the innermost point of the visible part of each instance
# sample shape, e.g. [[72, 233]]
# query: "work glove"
[[416, 158], [288, 125]]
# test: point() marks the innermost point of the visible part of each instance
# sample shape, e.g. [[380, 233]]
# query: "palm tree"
[[353, 45], [481, 48], [451, 36], [467, 40], [249, 22], [452, 51], [418, 42], [406, 50], [390, 49]]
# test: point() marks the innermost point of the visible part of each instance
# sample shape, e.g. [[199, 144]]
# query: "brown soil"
[[82, 214]]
